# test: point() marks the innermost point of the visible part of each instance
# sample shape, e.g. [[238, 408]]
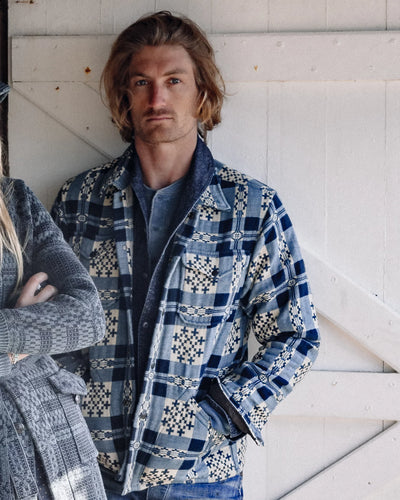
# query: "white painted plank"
[[243, 16], [244, 115], [41, 17], [309, 56], [356, 14], [73, 17], [43, 152], [341, 352], [199, 12], [299, 448], [357, 475], [78, 108], [58, 17], [297, 15], [355, 158], [389, 491], [125, 13], [366, 318], [59, 59], [27, 18], [335, 394], [393, 16], [392, 257], [264, 57], [274, 134], [296, 166]]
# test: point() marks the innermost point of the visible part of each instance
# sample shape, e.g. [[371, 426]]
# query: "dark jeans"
[[231, 489]]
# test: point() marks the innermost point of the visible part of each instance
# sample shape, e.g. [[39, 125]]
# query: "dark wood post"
[[4, 78]]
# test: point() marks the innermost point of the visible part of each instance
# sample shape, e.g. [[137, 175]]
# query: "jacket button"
[[77, 399], [19, 427]]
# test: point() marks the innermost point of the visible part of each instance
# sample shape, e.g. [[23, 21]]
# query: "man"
[[190, 257]]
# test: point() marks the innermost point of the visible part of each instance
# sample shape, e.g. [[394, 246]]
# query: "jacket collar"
[[202, 183], [120, 173]]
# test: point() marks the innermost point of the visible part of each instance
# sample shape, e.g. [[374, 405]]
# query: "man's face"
[[163, 94]]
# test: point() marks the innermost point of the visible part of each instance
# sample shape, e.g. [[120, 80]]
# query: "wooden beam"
[[327, 56], [362, 315], [88, 119], [68, 58], [361, 473], [4, 165], [330, 394]]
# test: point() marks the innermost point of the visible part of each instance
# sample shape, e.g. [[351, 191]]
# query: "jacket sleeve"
[[5, 365], [74, 318], [281, 316]]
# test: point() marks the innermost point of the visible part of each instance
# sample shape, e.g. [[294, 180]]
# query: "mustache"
[[150, 113]]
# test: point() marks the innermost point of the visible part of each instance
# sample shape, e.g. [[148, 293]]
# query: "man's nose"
[[157, 96]]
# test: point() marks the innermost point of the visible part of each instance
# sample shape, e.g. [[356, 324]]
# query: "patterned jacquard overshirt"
[[232, 269]]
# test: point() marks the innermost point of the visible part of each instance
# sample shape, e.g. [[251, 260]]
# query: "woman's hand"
[[35, 291]]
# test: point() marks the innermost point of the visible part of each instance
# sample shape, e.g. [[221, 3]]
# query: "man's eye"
[[174, 81], [140, 83]]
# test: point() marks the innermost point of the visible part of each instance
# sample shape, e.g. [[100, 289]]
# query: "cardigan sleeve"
[[5, 365], [74, 319]]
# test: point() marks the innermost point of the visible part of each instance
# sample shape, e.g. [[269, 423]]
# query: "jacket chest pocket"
[[209, 283]]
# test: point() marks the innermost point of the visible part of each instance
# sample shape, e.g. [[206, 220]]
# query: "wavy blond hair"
[[8, 236], [163, 28]]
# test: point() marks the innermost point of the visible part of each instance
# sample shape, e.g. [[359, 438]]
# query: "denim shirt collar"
[[201, 183]]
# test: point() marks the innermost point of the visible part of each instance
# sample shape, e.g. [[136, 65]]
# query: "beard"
[[165, 130]]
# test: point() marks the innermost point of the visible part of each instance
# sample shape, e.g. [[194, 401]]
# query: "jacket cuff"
[[224, 417]]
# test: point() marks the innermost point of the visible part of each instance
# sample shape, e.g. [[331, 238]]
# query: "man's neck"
[[164, 163]]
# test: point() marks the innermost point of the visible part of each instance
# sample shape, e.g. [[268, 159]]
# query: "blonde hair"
[[163, 28], [8, 236]]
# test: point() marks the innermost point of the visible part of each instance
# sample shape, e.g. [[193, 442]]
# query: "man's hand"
[[35, 291]]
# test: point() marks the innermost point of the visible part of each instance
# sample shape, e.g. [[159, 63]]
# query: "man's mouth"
[[159, 118], [159, 115]]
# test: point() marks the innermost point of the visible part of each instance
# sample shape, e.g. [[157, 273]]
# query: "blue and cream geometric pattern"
[[201, 274], [233, 341], [234, 269], [265, 325], [156, 477], [186, 352], [220, 465], [178, 418]]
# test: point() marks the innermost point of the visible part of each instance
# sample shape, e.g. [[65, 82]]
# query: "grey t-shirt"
[[161, 205]]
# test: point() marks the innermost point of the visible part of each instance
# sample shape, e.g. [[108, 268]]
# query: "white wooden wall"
[[314, 110]]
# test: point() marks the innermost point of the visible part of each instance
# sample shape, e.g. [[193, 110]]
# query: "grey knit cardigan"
[[39, 402]]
